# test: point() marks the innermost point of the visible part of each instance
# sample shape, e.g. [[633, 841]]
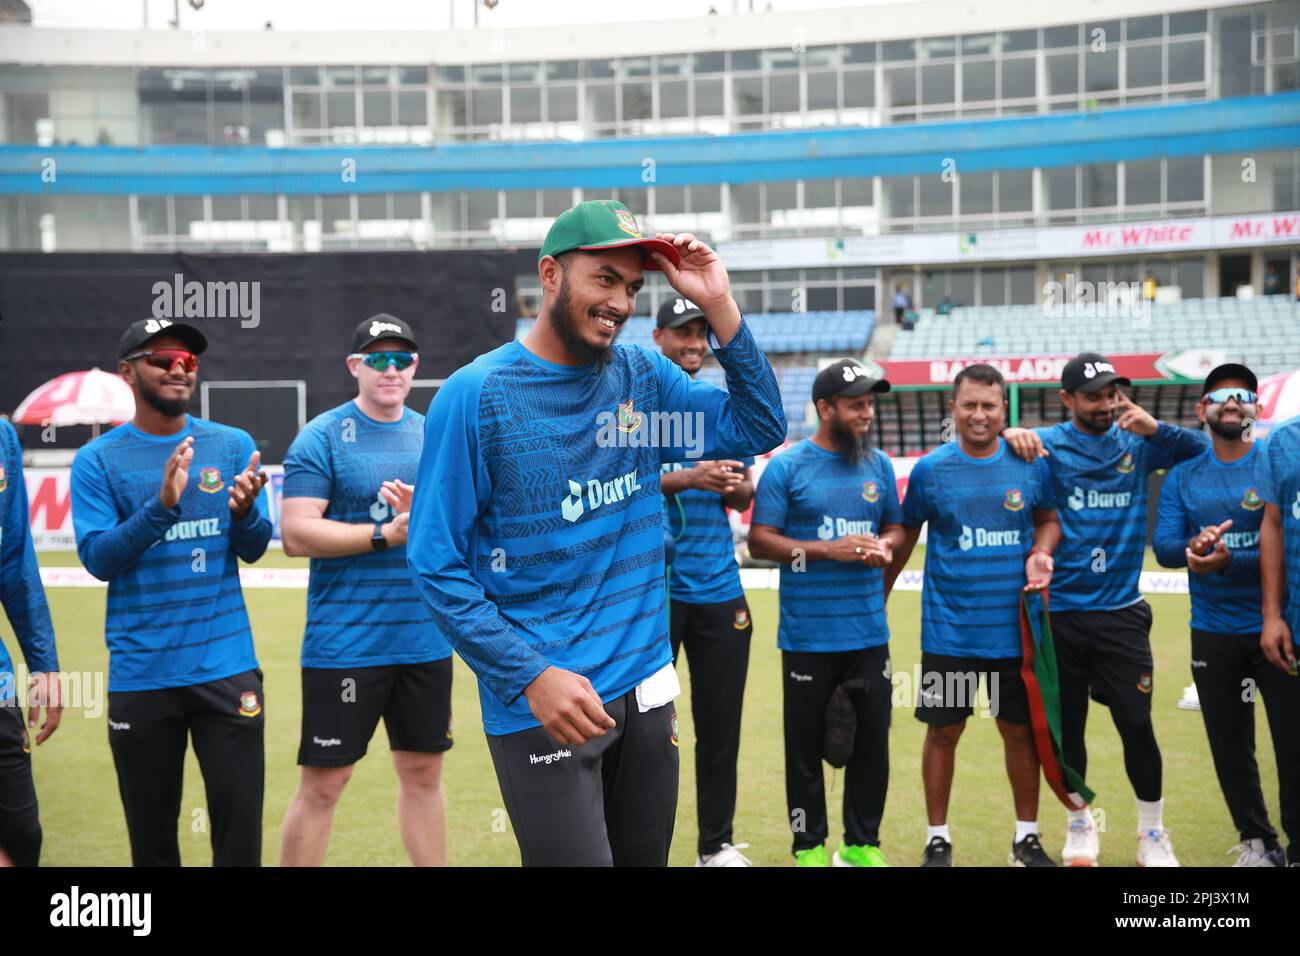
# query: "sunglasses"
[[380, 361], [166, 359], [1220, 396]]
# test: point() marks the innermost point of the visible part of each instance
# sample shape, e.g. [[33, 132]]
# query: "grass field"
[[82, 814]]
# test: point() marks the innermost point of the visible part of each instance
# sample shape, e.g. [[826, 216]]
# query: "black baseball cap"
[[1088, 372], [138, 333], [846, 378], [382, 326], [675, 313], [1229, 370]]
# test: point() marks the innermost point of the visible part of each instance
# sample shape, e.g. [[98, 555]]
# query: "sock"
[[1026, 828], [1150, 815], [1079, 816], [940, 831]]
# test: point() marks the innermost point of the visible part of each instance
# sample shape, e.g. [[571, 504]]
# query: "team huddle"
[[569, 568]]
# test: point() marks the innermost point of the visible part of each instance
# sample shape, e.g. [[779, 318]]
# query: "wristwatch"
[[377, 540]]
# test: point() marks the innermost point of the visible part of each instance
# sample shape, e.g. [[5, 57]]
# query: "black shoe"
[[938, 853], [1029, 852], [1276, 856]]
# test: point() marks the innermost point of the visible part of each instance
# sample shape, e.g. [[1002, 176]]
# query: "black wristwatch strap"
[[377, 540]]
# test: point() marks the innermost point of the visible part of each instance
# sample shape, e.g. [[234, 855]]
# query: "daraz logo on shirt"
[[1092, 498], [598, 493], [841, 527], [984, 538]]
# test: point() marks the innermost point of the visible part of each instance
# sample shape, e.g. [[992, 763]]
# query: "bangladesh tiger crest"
[[4, 481], [210, 480], [628, 419], [1125, 464], [248, 704], [870, 492], [674, 737], [1144, 683], [1014, 501], [626, 222], [742, 619], [1251, 500]]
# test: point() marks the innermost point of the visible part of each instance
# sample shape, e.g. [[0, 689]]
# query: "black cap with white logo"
[[846, 378], [382, 326], [1088, 371], [1227, 371], [138, 333], [675, 313]]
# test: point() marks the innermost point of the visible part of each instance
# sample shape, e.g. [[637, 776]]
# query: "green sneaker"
[[814, 856], [865, 855]]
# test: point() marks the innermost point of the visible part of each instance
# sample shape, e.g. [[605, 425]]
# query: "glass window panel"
[[1018, 41], [340, 75], [1191, 22], [816, 56], [377, 75], [678, 64], [1063, 73], [451, 108], [378, 106], [745, 60], [524, 72], [1184, 179], [1061, 36], [961, 286], [1060, 186], [901, 83], [482, 209], [860, 53], [600, 103], [746, 202], [1142, 182], [636, 200], [1018, 78], [783, 94], [899, 201], [227, 208], [937, 48], [562, 70], [1107, 31], [976, 194], [855, 192], [709, 98], [1187, 61], [1144, 28], [336, 214], [304, 75], [487, 106], [372, 207], [411, 108], [710, 62], [938, 84], [895, 50], [670, 199], [492, 73], [1143, 66], [781, 195], [823, 86], [747, 94], [562, 103], [993, 287], [449, 74], [153, 215], [1191, 277], [936, 196], [859, 296], [1099, 187], [413, 75], [525, 104], [1101, 70], [706, 198], [341, 108], [521, 203], [634, 66], [598, 69], [306, 111], [407, 206], [555, 201], [780, 60], [189, 210], [819, 194], [1021, 282], [637, 103], [1015, 190], [979, 44], [977, 81], [859, 89], [674, 99]]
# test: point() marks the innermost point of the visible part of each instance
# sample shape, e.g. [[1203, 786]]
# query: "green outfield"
[[82, 814]]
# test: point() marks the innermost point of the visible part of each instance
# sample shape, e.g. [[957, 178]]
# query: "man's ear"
[[551, 273], [127, 371]]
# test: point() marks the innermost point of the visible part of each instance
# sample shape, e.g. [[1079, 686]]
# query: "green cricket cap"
[[603, 224]]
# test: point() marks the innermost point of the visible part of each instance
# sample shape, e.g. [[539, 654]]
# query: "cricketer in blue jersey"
[[1211, 509], [1100, 460], [708, 613], [537, 533], [370, 648], [23, 598], [993, 531], [827, 511], [163, 507]]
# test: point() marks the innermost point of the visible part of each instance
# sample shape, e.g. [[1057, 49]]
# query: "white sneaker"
[[1081, 846], [1254, 853], [1156, 849], [729, 855], [1190, 700]]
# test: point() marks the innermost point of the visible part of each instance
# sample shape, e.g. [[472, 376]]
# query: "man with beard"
[[1209, 520], [158, 516], [827, 510], [992, 531], [536, 533], [1100, 460], [708, 612]]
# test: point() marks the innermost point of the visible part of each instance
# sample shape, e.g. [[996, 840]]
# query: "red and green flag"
[[1043, 685]]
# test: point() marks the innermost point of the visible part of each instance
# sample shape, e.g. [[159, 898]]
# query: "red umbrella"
[[92, 397]]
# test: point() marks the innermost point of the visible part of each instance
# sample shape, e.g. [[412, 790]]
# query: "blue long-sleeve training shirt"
[[1100, 484], [1197, 494], [175, 614], [1279, 477], [21, 592], [536, 533]]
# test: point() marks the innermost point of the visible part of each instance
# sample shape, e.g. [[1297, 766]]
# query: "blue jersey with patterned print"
[[1279, 484], [1100, 482], [175, 614], [811, 494], [362, 609], [981, 530], [705, 569], [537, 530], [1203, 492], [21, 591]]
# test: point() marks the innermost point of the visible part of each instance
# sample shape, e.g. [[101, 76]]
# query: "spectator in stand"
[[901, 302]]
